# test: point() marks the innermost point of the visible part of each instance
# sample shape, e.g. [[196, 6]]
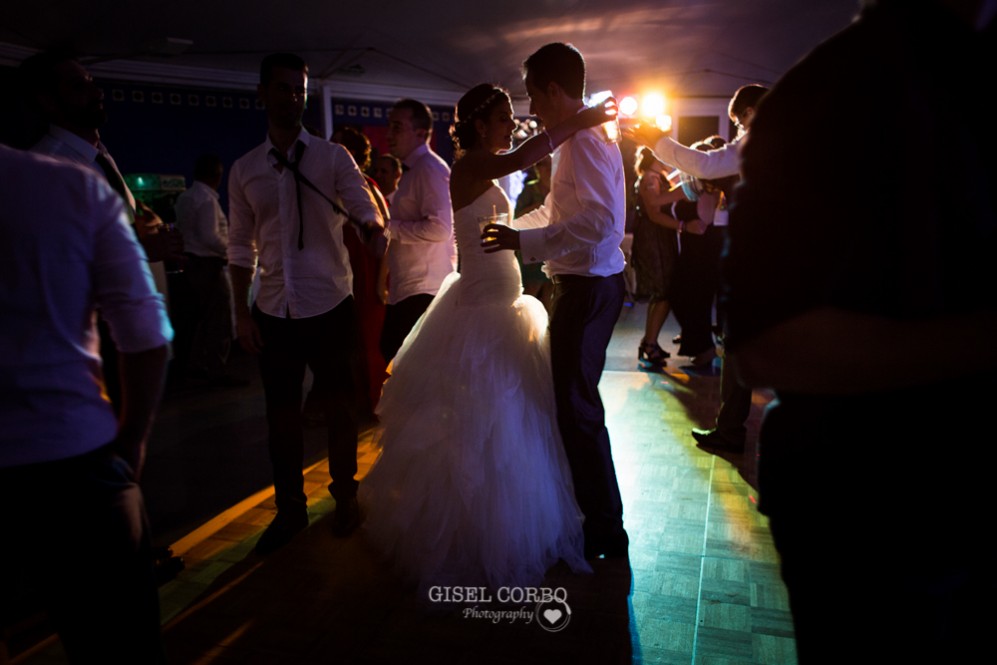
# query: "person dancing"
[[472, 486]]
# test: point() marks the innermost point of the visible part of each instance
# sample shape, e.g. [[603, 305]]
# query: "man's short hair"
[[206, 167], [38, 72], [282, 60], [746, 97], [422, 117], [558, 63]]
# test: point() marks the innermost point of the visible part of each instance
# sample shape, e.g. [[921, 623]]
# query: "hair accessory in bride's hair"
[[496, 93], [463, 132]]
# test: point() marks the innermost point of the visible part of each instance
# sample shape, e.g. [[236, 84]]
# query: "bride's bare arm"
[[481, 165]]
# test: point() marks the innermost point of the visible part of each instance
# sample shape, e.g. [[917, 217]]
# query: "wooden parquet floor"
[[701, 585]]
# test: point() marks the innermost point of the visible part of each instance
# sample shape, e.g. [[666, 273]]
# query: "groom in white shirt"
[[577, 233]]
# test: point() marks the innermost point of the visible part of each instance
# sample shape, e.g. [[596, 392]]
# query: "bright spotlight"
[[628, 106], [653, 105], [664, 122]]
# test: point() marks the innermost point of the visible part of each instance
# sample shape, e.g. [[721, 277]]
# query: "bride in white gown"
[[472, 487]]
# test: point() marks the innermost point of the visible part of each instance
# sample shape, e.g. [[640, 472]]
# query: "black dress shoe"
[[346, 518], [713, 441], [167, 565], [611, 547], [280, 532]]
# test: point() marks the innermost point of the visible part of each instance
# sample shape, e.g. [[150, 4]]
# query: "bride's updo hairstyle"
[[476, 104]]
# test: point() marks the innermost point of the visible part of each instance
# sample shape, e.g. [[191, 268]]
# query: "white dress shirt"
[[63, 144], [579, 228], [264, 224], [69, 250], [201, 221], [711, 165], [421, 249]]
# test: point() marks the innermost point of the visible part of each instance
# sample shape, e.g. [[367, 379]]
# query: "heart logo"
[[552, 616]]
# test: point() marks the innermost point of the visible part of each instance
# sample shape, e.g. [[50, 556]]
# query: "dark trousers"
[[328, 345], [695, 286], [212, 334], [583, 314], [735, 406], [933, 604], [398, 321], [76, 540]]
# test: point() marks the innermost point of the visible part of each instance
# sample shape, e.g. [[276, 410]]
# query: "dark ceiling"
[[685, 47]]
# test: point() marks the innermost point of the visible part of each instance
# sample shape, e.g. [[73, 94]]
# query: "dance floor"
[[701, 585]]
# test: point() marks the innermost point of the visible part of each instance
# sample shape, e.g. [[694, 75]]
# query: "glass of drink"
[[611, 128], [494, 218]]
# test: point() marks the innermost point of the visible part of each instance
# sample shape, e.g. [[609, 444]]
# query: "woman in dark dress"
[[654, 253]]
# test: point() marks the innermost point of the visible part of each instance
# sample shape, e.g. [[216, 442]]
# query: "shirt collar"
[[203, 187], [74, 142], [416, 155], [303, 137]]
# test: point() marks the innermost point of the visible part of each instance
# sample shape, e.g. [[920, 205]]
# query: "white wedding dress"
[[472, 487]]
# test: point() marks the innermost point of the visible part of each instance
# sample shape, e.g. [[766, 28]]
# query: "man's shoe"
[[346, 518], [167, 565], [713, 441], [280, 532], [613, 547]]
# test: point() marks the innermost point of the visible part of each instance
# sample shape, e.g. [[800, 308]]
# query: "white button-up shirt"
[[201, 221], [63, 144], [69, 250], [719, 163], [421, 249], [264, 222], [579, 228]]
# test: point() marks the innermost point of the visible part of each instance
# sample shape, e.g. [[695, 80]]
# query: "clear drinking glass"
[[610, 129], [495, 218]]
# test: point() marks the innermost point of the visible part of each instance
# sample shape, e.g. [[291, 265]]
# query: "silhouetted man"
[[729, 432], [870, 458], [578, 237], [72, 516], [304, 314]]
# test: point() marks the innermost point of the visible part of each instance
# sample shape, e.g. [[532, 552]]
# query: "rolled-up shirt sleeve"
[[242, 222], [123, 288]]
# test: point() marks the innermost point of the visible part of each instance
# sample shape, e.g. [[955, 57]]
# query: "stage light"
[[629, 105], [652, 105]]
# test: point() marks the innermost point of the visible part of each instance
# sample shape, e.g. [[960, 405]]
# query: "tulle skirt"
[[472, 487]]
